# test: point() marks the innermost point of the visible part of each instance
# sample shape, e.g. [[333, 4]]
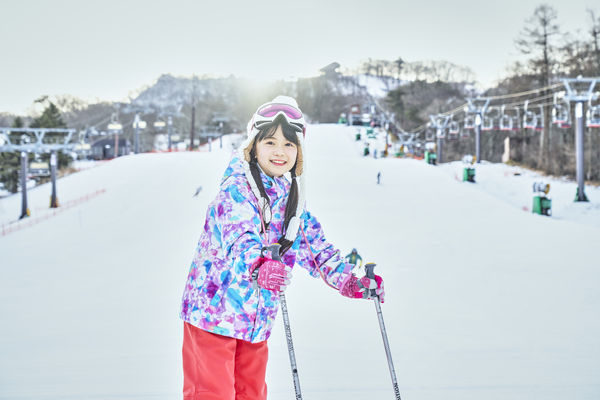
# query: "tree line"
[[548, 55]]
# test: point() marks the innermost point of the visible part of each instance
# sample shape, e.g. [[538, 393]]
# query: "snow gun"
[[369, 267]]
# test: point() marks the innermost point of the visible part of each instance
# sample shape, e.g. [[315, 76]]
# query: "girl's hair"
[[292, 202]]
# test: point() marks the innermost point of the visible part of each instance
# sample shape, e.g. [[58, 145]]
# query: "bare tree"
[[595, 32], [399, 65], [536, 41]]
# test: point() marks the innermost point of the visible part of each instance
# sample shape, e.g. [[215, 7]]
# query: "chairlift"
[[38, 168], [490, 119], [531, 119], [592, 117], [509, 119], [561, 112], [429, 134], [506, 122], [453, 130], [469, 123]]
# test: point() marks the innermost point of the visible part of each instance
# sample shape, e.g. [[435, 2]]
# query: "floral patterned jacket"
[[219, 294]]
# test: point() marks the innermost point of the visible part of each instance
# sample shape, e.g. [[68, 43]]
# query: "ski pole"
[[286, 324], [371, 275]]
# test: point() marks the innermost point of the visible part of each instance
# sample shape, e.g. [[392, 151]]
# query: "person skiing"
[[352, 258], [231, 295]]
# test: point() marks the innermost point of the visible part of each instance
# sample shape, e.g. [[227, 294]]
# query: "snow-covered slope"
[[484, 300]]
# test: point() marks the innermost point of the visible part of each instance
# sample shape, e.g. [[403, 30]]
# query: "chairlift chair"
[[506, 122], [491, 119], [469, 122], [531, 119], [429, 134], [453, 130], [592, 116], [561, 113], [487, 123]]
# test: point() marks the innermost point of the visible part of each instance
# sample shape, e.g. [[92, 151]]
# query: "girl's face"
[[276, 155]]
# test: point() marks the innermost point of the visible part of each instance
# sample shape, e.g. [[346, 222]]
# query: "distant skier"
[[353, 258], [231, 295], [379, 177], [198, 190]]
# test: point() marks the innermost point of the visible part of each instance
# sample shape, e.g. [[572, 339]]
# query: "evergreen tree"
[[11, 163], [50, 118]]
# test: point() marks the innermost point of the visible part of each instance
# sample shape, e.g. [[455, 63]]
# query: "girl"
[[231, 295]]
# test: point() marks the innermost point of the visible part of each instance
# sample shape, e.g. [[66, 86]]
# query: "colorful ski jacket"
[[219, 294]]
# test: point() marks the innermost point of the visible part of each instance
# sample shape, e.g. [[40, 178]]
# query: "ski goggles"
[[267, 114]]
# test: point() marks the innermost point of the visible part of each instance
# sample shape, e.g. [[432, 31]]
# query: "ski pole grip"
[[274, 250], [369, 267]]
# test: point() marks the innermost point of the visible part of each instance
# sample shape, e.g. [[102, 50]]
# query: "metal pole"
[[290, 344], [220, 135], [388, 353], [53, 160], [24, 209], [116, 154], [136, 126], [478, 137], [579, 138], [169, 126], [288, 330], [440, 144]]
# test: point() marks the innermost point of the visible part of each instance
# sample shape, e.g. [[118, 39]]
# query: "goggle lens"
[[270, 110]]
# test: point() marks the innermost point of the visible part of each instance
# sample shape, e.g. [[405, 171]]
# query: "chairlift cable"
[[506, 96]]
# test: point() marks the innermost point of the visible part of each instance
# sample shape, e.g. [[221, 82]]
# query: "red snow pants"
[[218, 367]]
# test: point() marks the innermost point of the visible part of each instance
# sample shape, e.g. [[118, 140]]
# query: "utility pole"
[[579, 96]]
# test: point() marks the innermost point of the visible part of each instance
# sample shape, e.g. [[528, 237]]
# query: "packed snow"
[[484, 300]]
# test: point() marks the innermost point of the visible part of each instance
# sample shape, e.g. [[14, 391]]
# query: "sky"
[[109, 50]]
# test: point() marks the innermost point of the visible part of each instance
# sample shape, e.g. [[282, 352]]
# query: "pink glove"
[[361, 288], [271, 275]]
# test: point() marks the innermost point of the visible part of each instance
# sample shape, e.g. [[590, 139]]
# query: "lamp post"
[[137, 125], [115, 128]]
